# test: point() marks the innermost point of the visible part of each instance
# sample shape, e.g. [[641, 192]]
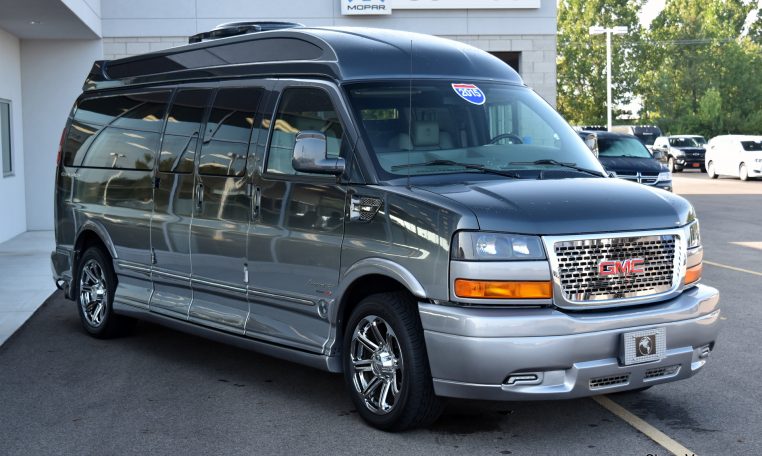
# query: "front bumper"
[[473, 352]]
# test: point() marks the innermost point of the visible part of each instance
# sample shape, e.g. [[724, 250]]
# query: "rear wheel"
[[386, 369], [743, 173], [710, 170], [95, 295]]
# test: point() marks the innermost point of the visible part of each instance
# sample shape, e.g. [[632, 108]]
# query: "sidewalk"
[[25, 278]]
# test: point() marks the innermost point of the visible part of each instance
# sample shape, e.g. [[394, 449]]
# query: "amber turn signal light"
[[483, 289], [693, 274]]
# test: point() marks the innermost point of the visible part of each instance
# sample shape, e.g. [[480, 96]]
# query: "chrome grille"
[[578, 276], [646, 179]]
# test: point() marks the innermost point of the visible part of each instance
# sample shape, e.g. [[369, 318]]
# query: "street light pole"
[[618, 30]]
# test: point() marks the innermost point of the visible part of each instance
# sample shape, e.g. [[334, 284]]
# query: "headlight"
[[481, 246], [694, 235], [695, 257], [664, 176]]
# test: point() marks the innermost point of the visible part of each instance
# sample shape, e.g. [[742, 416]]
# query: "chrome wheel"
[[377, 364], [93, 293]]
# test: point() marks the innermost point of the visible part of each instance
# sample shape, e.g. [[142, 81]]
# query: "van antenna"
[[410, 114]]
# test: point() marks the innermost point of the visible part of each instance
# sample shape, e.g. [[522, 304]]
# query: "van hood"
[[631, 165], [567, 206]]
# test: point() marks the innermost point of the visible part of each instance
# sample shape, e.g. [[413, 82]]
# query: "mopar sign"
[[349, 7]]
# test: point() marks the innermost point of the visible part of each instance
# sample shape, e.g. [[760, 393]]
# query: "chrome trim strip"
[[681, 247], [221, 286], [280, 297], [133, 266], [170, 275]]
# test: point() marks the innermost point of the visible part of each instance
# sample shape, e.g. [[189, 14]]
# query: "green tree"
[[582, 57], [699, 73]]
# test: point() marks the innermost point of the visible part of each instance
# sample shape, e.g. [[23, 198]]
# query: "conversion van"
[[393, 206]]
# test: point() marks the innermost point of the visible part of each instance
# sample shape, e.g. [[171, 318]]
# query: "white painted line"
[[732, 268], [753, 245], [651, 432]]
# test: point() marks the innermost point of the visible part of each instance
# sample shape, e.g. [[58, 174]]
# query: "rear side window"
[[226, 138], [181, 136], [116, 131], [302, 109], [752, 146]]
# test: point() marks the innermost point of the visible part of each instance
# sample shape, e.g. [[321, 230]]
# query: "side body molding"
[[378, 266], [102, 233]]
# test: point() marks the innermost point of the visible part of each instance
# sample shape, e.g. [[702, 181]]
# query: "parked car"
[[647, 134], [734, 155], [394, 206], [627, 158], [682, 151]]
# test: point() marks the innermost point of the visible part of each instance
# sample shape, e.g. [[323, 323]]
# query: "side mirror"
[[311, 155], [658, 154]]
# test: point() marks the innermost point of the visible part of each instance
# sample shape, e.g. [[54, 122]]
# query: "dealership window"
[[511, 58], [5, 138]]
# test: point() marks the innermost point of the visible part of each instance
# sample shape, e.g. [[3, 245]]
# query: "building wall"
[[12, 206], [132, 27], [53, 75]]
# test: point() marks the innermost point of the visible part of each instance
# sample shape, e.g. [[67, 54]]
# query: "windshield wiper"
[[561, 164], [481, 168]]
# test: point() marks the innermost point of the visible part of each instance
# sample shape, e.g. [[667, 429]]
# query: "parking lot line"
[[651, 432], [732, 268]]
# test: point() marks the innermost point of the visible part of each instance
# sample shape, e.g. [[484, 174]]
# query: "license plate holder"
[[644, 346]]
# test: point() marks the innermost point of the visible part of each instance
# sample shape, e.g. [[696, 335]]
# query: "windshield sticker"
[[470, 93]]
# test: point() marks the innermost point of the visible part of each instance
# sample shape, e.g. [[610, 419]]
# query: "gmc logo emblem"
[[621, 268]]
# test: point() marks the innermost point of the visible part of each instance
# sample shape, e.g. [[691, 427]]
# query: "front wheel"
[[386, 369], [743, 173], [673, 166], [710, 170]]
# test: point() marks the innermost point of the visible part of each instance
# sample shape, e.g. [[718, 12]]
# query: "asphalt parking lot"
[[163, 392]]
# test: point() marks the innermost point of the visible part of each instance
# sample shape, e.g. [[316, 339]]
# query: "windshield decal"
[[470, 93]]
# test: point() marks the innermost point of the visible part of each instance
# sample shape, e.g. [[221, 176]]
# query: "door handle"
[[256, 202], [199, 196]]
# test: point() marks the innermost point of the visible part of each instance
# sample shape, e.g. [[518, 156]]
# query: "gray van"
[[397, 207]]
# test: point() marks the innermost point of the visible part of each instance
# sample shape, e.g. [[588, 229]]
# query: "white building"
[[47, 47]]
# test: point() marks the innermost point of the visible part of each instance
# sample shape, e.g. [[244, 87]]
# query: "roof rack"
[[240, 28]]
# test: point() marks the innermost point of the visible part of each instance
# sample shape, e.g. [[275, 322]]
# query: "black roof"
[[342, 54], [605, 134]]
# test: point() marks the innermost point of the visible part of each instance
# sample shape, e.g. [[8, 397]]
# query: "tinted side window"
[[77, 142], [226, 140], [122, 149], [116, 131], [181, 136], [302, 109]]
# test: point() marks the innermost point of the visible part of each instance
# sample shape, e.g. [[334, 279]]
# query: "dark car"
[[683, 151], [627, 157], [647, 134]]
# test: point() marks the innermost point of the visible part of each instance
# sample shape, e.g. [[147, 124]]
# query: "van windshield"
[[441, 127]]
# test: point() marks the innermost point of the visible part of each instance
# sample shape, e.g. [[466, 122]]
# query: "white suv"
[[734, 155]]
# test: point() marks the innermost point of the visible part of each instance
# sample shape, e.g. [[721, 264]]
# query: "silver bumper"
[[531, 354]]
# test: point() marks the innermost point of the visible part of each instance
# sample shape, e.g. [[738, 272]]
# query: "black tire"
[[703, 168], [415, 404], [743, 172], [103, 324]]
